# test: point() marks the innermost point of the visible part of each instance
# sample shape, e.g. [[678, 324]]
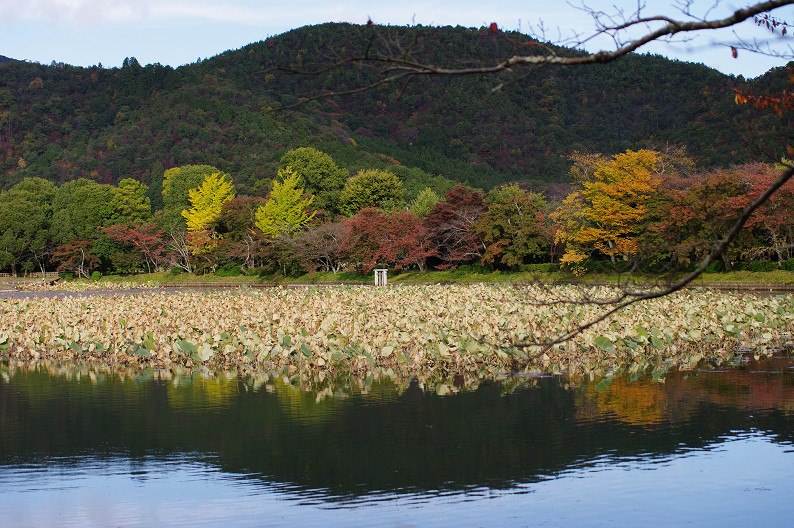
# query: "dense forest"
[[92, 149], [62, 122]]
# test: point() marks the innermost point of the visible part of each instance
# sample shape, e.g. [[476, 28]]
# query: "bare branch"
[[395, 61]]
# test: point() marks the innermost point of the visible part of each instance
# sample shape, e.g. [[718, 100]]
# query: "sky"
[[176, 32]]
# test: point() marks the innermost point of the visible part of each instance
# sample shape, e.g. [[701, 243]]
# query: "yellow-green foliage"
[[207, 200], [285, 211]]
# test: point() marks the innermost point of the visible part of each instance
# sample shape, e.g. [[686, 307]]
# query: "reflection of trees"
[[631, 403], [680, 397], [198, 393], [346, 442]]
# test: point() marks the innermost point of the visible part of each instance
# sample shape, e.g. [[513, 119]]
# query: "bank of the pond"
[[475, 330], [782, 279]]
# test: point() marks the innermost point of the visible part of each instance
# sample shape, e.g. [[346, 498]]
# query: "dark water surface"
[[703, 448]]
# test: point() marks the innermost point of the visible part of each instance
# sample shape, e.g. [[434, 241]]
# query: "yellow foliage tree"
[[206, 201], [285, 212], [607, 213]]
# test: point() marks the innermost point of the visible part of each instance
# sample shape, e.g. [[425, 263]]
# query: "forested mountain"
[[62, 122]]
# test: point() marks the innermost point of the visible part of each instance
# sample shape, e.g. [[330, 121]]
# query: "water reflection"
[[110, 442]]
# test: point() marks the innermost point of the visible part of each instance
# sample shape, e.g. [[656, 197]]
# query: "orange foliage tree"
[[608, 212]]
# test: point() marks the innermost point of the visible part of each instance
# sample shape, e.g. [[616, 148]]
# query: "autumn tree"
[[450, 228], [286, 211], [606, 215], [708, 208], [397, 240], [284, 214], [775, 219], [177, 183], [76, 256], [206, 201], [147, 239]]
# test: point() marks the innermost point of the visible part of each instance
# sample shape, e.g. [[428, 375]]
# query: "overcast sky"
[[176, 32]]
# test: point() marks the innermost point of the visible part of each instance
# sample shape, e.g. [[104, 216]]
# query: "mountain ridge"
[[63, 122]]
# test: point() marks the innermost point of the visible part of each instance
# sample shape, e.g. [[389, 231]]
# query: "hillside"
[[63, 122]]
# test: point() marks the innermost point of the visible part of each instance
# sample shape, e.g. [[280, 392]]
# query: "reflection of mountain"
[[386, 440]]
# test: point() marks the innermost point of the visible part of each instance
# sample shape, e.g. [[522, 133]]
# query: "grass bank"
[[453, 277]]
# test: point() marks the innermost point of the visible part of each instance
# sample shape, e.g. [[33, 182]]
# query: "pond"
[[87, 447]]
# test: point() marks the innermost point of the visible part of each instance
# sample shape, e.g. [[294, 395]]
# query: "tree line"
[[641, 207]]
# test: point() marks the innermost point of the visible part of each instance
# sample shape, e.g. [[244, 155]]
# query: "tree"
[[25, 222], [79, 208], [76, 256], [708, 208], [511, 227], [376, 239], [319, 176], [424, 202], [286, 211], [371, 188], [177, 183], [450, 228], [147, 239], [130, 203], [236, 225], [775, 219], [323, 246], [607, 214], [206, 202], [705, 211]]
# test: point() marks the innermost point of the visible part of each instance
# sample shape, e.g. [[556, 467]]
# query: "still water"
[[711, 447]]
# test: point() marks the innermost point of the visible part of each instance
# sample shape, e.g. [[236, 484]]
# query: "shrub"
[[228, 270], [472, 268], [762, 265], [67, 275], [598, 266], [175, 271], [95, 276], [716, 266], [789, 264], [545, 267]]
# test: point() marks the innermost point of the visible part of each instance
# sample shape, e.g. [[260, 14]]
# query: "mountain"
[[4, 59], [63, 122]]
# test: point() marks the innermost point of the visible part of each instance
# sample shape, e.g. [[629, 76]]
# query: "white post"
[[380, 277]]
